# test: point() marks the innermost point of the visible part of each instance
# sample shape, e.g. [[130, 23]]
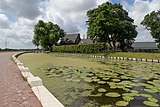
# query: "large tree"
[[47, 34], [36, 40], [152, 23], [110, 23]]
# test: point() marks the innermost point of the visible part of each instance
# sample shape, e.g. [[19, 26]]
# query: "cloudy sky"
[[18, 17]]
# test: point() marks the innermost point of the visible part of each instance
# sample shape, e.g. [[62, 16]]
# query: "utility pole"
[[6, 42]]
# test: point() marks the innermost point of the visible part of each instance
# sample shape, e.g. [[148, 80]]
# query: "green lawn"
[[125, 54], [136, 55]]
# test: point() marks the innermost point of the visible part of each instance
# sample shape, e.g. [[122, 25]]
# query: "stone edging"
[[115, 58], [43, 95]]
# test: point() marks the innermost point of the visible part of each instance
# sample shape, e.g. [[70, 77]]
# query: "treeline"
[[90, 48]]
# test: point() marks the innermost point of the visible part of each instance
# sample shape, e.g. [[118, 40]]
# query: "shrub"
[[90, 48]]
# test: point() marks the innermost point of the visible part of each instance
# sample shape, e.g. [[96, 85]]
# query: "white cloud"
[[70, 15], [19, 34], [99, 2], [137, 11]]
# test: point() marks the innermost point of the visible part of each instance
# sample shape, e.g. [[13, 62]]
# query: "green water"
[[119, 83]]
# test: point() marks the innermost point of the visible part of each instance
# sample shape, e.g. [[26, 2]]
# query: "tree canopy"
[[47, 34], [152, 23], [110, 23]]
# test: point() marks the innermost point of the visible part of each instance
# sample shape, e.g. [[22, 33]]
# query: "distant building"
[[70, 39], [144, 46], [85, 41]]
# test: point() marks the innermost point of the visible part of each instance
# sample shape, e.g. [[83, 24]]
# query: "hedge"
[[90, 48]]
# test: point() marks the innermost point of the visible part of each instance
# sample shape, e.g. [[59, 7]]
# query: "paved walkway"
[[14, 90]]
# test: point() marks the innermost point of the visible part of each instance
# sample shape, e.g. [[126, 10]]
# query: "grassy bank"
[[135, 55], [124, 54]]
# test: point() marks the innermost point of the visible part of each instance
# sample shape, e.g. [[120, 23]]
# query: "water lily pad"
[[101, 82], [112, 94], [102, 90], [129, 86], [124, 77], [96, 95], [90, 74], [128, 98], [145, 95], [87, 79], [94, 77], [113, 87], [152, 99], [116, 80], [126, 89], [152, 104], [121, 103], [86, 93], [107, 105], [133, 91], [151, 90], [130, 94], [106, 78], [95, 80], [121, 87]]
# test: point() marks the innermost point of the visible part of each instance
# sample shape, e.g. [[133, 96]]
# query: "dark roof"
[[71, 37], [86, 41], [144, 45]]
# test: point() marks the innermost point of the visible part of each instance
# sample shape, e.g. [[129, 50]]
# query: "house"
[[85, 41], [144, 46], [70, 39]]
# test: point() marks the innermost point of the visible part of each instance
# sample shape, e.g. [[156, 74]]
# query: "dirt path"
[[14, 90]]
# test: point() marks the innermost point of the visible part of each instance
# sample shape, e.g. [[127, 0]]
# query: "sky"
[[18, 17]]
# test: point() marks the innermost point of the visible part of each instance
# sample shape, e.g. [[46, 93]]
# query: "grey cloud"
[[70, 14], [4, 25], [4, 22], [21, 8], [69, 25], [73, 6]]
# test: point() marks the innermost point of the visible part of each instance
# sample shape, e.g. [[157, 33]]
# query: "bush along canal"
[[119, 83]]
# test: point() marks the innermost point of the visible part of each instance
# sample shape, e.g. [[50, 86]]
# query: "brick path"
[[14, 90]]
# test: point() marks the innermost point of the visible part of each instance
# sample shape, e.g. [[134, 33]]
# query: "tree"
[[47, 34], [152, 23], [110, 23], [36, 40]]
